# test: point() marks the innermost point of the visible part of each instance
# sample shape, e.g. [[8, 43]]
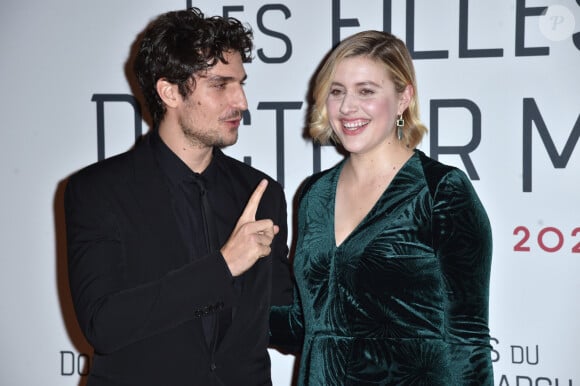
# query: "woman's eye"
[[335, 92], [366, 92]]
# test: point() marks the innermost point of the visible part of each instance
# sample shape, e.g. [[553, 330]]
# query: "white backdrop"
[[499, 88]]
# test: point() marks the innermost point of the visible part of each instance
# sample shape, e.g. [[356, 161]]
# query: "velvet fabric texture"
[[404, 299]]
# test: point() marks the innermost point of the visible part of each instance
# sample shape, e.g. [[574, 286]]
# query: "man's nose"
[[239, 100]]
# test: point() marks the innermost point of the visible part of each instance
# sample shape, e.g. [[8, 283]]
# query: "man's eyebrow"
[[222, 78]]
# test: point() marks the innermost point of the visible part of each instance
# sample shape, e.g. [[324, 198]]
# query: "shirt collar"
[[176, 170]]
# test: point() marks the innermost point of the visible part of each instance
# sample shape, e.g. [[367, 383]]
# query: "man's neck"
[[196, 157]]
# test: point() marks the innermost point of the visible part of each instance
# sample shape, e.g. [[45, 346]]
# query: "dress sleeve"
[[113, 312], [281, 277], [287, 326], [287, 321], [462, 239]]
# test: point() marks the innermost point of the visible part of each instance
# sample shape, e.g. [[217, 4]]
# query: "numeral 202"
[[523, 244]]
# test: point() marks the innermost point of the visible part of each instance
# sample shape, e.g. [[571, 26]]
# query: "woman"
[[394, 249]]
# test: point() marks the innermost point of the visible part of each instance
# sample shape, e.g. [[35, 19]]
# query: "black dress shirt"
[[205, 228]]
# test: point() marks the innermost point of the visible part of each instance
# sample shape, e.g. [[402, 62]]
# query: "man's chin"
[[229, 141]]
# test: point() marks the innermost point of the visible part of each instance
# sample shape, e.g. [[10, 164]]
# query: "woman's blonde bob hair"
[[381, 47]]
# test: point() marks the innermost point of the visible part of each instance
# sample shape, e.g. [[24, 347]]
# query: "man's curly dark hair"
[[178, 44]]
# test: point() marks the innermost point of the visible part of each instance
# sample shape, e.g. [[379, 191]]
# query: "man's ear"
[[405, 98], [168, 92]]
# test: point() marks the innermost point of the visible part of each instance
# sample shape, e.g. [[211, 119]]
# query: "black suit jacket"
[[138, 295]]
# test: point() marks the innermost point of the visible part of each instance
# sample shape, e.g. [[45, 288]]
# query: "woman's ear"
[[168, 92], [405, 98]]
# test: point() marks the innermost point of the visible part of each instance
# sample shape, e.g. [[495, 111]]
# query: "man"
[[176, 251]]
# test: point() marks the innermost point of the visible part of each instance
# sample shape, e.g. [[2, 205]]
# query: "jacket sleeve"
[[462, 239], [112, 311]]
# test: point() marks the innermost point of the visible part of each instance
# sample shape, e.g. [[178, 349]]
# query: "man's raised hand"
[[250, 240]]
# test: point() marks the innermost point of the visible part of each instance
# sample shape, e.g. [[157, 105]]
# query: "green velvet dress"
[[404, 299]]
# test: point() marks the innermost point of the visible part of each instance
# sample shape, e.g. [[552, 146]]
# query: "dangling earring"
[[400, 123]]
